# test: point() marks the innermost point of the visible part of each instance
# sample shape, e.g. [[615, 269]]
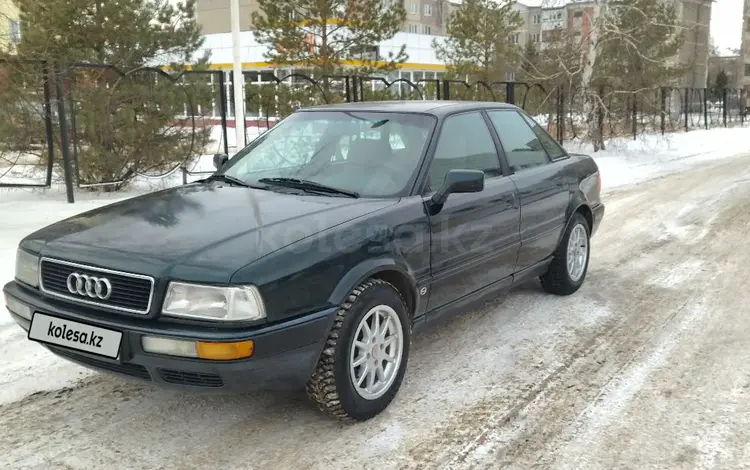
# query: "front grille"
[[130, 292], [133, 370], [190, 378]]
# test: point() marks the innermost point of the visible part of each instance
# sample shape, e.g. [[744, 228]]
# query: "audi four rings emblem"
[[90, 286]]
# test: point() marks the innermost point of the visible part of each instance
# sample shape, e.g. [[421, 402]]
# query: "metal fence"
[[94, 125]]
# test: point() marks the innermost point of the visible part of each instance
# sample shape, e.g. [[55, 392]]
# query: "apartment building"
[[10, 26], [531, 31], [426, 17], [422, 16], [743, 72], [541, 24], [576, 19], [695, 16], [729, 65], [214, 17]]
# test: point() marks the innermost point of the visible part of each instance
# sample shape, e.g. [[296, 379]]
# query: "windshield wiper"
[[307, 185], [226, 178]]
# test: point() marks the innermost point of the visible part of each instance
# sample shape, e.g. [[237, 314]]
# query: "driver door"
[[475, 236]]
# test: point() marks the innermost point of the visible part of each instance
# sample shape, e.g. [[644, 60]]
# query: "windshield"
[[372, 154]]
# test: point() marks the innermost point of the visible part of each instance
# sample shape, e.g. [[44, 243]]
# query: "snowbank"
[[628, 161]]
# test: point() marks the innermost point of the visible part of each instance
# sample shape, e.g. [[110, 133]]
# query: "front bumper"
[[284, 358]]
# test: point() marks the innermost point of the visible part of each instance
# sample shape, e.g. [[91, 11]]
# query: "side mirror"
[[220, 160], [459, 181]]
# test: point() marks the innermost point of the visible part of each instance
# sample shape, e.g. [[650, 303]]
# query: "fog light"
[[18, 307], [170, 347], [226, 351]]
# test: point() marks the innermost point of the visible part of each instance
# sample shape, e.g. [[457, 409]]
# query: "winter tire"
[[570, 262], [365, 356]]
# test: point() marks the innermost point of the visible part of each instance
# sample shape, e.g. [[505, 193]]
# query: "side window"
[[550, 145], [522, 147], [465, 143]]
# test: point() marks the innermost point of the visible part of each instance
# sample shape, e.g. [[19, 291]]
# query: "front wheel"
[[364, 360], [570, 262]]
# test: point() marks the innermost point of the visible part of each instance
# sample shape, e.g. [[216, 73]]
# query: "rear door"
[[475, 236], [543, 185]]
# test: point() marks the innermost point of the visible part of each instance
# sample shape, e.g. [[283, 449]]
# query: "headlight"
[[27, 268], [236, 303]]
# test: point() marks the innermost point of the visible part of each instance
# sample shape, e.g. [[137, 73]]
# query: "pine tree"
[[125, 121], [722, 80], [531, 61], [716, 90], [125, 33], [480, 40], [640, 45], [329, 37]]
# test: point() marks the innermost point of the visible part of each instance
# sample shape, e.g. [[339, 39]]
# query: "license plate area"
[[76, 336]]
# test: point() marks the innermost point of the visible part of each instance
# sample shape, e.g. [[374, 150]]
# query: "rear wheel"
[[570, 261], [364, 360]]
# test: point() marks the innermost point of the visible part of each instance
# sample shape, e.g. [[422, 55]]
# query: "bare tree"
[[623, 47]]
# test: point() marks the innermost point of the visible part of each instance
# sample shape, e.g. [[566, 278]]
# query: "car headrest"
[[369, 151]]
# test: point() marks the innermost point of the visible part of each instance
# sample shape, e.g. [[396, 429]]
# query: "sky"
[[726, 23]]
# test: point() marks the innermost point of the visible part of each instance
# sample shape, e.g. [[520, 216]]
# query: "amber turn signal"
[[225, 351]]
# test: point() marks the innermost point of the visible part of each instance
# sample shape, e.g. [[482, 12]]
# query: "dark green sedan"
[[311, 257]]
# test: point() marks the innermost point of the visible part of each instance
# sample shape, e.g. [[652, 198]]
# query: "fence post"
[[687, 109], [223, 108], [446, 90], [354, 89], [73, 129], [348, 88], [724, 105], [560, 115], [64, 144], [635, 116], [600, 114], [705, 107], [230, 78], [557, 114], [743, 106], [663, 110], [48, 124], [510, 92]]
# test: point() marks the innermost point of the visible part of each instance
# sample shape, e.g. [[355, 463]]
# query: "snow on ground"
[[639, 369], [22, 211], [628, 161]]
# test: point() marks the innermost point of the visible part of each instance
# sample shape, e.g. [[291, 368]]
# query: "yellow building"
[[10, 27]]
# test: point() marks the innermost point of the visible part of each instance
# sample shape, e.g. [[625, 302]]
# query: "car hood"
[[202, 232]]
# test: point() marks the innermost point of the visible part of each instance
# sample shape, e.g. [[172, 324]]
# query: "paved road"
[[648, 366]]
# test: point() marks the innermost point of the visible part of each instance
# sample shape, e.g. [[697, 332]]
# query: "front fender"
[[369, 268]]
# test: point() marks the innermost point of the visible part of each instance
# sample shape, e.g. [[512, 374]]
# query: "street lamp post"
[[239, 108]]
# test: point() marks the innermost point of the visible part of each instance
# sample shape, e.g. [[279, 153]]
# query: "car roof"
[[434, 107]]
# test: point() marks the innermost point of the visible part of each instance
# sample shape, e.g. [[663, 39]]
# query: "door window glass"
[[465, 144], [550, 145], [522, 147]]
